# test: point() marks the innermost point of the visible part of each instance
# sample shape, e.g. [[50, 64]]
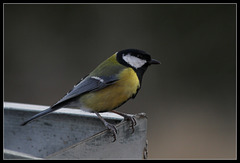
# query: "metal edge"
[[69, 111]]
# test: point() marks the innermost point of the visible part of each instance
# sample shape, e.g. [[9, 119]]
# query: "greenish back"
[[108, 68]]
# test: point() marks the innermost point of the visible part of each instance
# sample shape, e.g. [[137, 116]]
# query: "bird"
[[111, 84]]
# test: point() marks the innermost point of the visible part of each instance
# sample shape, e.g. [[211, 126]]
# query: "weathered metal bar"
[[70, 134]]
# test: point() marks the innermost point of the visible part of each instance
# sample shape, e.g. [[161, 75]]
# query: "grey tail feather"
[[41, 114]]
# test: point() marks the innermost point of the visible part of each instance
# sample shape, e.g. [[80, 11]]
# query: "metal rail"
[[70, 134]]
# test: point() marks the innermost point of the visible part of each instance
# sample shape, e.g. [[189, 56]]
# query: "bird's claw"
[[132, 120], [113, 130]]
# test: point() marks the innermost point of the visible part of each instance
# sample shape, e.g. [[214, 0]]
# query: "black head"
[[137, 59]]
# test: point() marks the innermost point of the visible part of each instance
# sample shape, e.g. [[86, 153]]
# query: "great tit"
[[108, 86]]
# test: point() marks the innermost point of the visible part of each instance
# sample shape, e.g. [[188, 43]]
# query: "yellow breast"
[[114, 95]]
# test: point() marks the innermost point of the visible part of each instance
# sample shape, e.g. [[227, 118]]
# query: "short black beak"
[[154, 61]]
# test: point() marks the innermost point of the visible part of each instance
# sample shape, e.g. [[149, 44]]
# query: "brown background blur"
[[190, 99]]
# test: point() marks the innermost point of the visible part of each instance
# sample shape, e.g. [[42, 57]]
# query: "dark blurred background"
[[190, 99]]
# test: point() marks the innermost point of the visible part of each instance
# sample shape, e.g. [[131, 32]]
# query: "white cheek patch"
[[134, 61]]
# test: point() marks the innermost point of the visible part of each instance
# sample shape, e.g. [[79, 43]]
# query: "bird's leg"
[[127, 117], [109, 126]]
